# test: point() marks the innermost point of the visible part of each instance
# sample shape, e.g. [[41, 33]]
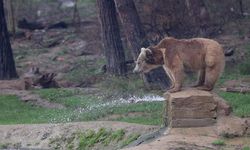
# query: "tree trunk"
[[132, 25], [137, 38], [198, 14], [113, 48], [7, 64], [11, 16], [241, 8], [76, 17]]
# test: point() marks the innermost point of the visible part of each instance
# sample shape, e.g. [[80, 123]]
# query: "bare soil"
[[198, 138], [39, 135]]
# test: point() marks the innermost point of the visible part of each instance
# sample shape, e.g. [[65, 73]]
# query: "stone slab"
[[190, 108], [192, 113], [177, 123]]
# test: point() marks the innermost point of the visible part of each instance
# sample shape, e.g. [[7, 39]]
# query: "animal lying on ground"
[[201, 55], [33, 79]]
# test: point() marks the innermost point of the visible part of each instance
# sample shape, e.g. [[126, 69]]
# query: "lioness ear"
[[143, 49], [163, 49], [149, 56], [148, 52]]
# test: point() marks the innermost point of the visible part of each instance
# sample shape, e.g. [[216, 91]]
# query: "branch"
[[237, 89]]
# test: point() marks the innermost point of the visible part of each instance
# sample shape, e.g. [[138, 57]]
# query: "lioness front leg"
[[177, 81], [176, 88]]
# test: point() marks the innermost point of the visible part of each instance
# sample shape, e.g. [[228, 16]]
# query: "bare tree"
[[137, 38], [113, 48], [7, 64]]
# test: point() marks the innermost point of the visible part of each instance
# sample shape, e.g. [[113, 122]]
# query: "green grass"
[[85, 69], [244, 66], [85, 3], [239, 102], [69, 98], [91, 139], [13, 111], [79, 107], [103, 136], [150, 113], [237, 70], [246, 148], [147, 120], [123, 86], [218, 143], [3, 146], [130, 139]]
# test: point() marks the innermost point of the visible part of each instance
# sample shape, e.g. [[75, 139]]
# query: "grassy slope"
[[239, 102], [90, 139], [82, 106], [79, 107], [14, 111]]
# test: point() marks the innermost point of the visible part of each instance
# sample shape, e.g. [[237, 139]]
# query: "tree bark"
[[241, 8], [7, 64], [136, 38], [132, 26], [237, 89], [76, 17], [11, 16], [113, 48], [197, 12]]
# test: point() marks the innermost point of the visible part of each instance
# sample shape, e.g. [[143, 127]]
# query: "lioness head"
[[146, 61]]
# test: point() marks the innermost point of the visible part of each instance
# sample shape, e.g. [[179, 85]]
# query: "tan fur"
[[204, 56]]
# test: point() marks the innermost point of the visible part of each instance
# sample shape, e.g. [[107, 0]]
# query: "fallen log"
[[237, 89], [25, 24], [59, 25]]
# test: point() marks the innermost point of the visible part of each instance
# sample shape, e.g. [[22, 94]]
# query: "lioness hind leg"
[[211, 76], [201, 78]]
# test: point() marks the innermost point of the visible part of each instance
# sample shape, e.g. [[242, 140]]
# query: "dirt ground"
[[233, 131], [192, 139], [37, 136]]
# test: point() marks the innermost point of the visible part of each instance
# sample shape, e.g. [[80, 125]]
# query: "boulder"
[[223, 107], [190, 108], [231, 126], [248, 127]]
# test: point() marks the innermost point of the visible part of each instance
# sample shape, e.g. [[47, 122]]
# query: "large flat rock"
[[191, 108]]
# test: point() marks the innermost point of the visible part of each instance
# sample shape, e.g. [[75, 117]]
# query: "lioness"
[[201, 55]]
